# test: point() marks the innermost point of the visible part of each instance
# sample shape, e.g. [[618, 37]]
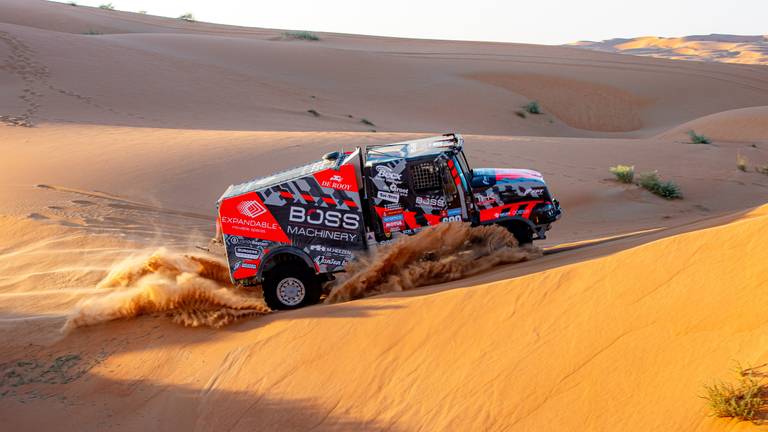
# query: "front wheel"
[[290, 286], [523, 233]]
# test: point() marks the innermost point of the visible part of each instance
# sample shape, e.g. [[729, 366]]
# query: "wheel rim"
[[290, 291]]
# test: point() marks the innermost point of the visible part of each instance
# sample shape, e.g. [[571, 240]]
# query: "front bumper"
[[546, 213]]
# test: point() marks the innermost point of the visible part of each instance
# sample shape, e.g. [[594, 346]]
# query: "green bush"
[[665, 189], [107, 6], [187, 17], [304, 35], [698, 139], [741, 400], [532, 107], [624, 173]]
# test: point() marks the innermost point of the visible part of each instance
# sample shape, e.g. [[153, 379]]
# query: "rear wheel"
[[291, 286]]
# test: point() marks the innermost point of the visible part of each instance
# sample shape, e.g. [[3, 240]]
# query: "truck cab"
[[289, 232], [415, 184]]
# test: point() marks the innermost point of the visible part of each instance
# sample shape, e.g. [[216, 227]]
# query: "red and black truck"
[[292, 230]]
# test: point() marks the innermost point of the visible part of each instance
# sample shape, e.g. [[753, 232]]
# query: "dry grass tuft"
[[741, 400]]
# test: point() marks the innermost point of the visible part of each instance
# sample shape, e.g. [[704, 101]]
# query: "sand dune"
[[138, 123], [747, 125], [582, 347], [157, 72], [712, 48]]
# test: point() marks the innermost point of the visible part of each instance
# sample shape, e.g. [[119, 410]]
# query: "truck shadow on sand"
[[111, 404]]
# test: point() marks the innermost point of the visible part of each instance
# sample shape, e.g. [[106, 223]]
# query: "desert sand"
[[636, 303], [712, 48]]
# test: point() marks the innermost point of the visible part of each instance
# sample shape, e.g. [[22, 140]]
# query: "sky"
[[527, 21]]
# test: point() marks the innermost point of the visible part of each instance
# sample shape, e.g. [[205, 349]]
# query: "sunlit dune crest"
[[712, 48]]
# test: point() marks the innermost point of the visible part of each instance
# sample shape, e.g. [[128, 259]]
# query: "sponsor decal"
[[485, 200], [246, 216], [387, 196], [322, 233], [393, 218], [431, 201], [247, 253], [248, 222], [331, 250], [393, 226], [328, 218], [251, 208], [385, 172], [344, 179], [398, 190], [249, 266], [454, 212], [331, 261]]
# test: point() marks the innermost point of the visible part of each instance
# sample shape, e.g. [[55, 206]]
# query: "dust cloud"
[[196, 291], [190, 290], [441, 253]]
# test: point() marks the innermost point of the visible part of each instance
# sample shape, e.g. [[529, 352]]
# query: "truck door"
[[438, 190], [457, 192]]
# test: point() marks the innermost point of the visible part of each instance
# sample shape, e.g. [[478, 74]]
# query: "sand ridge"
[[712, 48]]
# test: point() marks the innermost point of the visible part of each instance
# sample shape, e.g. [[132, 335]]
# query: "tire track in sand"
[[20, 62], [35, 75]]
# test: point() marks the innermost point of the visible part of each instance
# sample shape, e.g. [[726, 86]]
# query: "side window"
[[425, 177]]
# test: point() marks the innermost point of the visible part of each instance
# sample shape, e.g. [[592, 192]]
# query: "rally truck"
[[291, 231]]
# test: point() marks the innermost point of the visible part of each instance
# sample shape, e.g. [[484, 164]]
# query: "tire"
[[291, 286], [523, 233]]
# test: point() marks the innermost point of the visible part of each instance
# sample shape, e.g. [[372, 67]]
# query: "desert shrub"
[[668, 190], [741, 400], [532, 107], [92, 32], [72, 3], [187, 17], [653, 183], [304, 35], [313, 112], [520, 114], [365, 121], [624, 173], [698, 139], [762, 169], [107, 6], [741, 162]]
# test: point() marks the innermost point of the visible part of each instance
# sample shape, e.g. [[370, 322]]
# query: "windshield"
[[464, 164]]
